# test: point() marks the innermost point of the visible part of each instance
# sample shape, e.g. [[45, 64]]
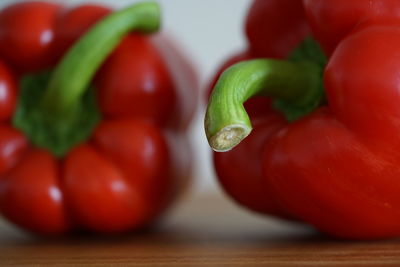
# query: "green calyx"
[[57, 109], [47, 130], [310, 52], [295, 85]]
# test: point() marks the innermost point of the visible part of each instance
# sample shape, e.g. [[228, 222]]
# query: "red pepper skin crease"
[[333, 20], [12, 142], [337, 168], [128, 172], [273, 28]]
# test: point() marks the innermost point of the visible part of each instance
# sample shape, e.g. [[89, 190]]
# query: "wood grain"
[[201, 231]]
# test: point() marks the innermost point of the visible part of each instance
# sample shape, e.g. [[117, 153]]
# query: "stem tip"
[[229, 137]]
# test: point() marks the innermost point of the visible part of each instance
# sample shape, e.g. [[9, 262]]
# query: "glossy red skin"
[[8, 93], [27, 35], [275, 27], [13, 145], [127, 174], [34, 201], [135, 82], [333, 20]]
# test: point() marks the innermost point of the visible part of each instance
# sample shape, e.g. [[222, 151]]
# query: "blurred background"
[[209, 31]]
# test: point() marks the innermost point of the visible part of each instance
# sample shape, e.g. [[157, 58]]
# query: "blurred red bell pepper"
[[327, 149], [93, 117]]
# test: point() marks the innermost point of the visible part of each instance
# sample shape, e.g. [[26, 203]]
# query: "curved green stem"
[[227, 122], [71, 77]]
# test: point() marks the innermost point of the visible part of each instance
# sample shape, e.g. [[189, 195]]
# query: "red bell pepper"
[[93, 119], [329, 147]]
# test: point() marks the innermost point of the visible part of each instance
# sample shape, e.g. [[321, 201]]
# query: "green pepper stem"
[[227, 122], [72, 76]]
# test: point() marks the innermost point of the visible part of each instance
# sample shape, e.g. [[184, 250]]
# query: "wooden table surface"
[[201, 230]]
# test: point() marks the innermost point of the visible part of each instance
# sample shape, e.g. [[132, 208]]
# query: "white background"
[[210, 31]]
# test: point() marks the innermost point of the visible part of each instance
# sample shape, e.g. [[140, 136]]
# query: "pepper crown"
[[57, 109]]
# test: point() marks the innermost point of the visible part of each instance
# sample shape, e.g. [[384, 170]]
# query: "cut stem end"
[[229, 137]]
